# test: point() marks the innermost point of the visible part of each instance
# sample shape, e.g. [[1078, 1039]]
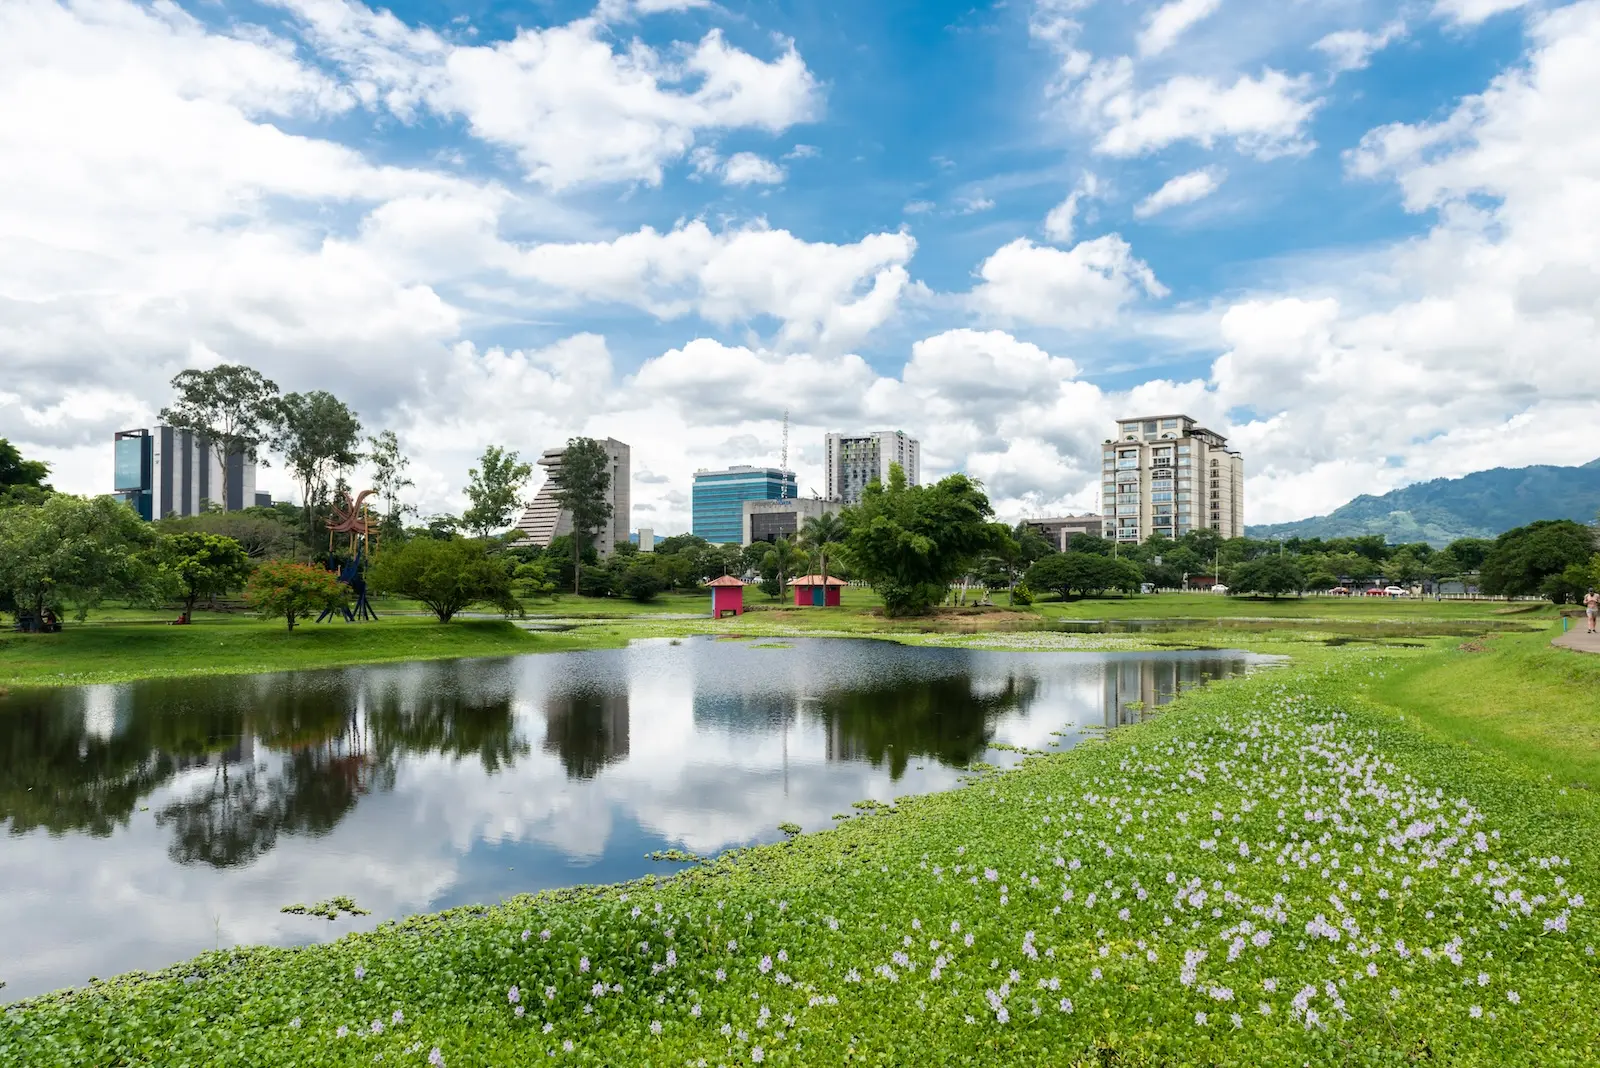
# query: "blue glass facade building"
[[134, 464], [719, 496]]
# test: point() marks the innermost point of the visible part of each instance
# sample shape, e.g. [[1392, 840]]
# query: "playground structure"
[[727, 597], [356, 521]]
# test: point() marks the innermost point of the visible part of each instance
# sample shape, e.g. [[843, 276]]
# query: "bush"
[[446, 576], [1021, 596], [280, 588], [642, 583]]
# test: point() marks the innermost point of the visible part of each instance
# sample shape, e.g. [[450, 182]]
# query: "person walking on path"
[[1591, 609]]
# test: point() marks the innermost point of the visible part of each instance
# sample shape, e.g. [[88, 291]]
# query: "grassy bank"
[[235, 645], [1514, 694], [1284, 869]]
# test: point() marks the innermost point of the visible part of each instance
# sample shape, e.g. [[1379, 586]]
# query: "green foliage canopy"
[[234, 407], [581, 484], [495, 490], [71, 549], [1086, 574], [911, 542], [319, 435], [290, 591], [1522, 559], [197, 564], [446, 576]]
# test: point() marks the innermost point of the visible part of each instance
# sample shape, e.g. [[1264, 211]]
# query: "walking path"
[[1575, 638]]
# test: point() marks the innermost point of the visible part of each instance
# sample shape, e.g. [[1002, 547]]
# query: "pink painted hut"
[[816, 591], [727, 595]]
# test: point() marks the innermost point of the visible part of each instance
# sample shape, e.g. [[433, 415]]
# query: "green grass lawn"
[[1217, 606], [231, 644], [1537, 705]]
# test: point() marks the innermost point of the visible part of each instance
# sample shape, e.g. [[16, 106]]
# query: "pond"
[[146, 822]]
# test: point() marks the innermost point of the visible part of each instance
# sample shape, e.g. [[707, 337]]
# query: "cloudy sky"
[[1361, 238]]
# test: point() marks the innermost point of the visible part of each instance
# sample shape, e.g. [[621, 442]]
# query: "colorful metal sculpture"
[[356, 521]]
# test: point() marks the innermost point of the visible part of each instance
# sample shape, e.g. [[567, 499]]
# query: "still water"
[[145, 822]]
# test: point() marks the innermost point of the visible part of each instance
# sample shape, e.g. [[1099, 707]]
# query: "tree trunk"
[[577, 565]]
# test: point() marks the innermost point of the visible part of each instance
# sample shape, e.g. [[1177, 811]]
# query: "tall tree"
[[911, 542], [1523, 558], [818, 534], [389, 476], [778, 566], [71, 549], [582, 484], [495, 490], [232, 406], [319, 436]]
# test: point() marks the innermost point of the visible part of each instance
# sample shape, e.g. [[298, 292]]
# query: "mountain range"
[[1483, 504]]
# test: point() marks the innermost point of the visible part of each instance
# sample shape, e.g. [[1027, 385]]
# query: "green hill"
[[1480, 505]]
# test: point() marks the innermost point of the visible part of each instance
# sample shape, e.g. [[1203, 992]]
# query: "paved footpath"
[[1575, 638]]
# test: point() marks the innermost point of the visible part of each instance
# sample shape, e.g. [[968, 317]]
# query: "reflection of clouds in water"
[[398, 784]]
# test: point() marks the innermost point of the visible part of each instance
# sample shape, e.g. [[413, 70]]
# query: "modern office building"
[[719, 497], [164, 471], [544, 520], [853, 461], [770, 520], [1058, 530], [1167, 474]]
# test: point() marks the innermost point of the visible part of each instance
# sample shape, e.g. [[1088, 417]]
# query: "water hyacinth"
[[1265, 867]]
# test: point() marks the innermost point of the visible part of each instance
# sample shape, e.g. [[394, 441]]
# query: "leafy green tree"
[[1569, 586], [582, 482], [1404, 567], [283, 589], [21, 481], [1269, 575], [446, 576], [1086, 574], [1469, 554], [1522, 559], [779, 566], [641, 580], [1089, 543], [495, 490], [199, 565], [911, 542], [532, 580], [389, 479], [818, 535], [72, 550], [232, 406], [319, 436]]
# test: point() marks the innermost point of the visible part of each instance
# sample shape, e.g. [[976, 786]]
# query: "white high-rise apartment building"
[[854, 460], [1166, 474], [543, 520]]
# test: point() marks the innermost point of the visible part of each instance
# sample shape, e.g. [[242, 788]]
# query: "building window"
[[1167, 423]]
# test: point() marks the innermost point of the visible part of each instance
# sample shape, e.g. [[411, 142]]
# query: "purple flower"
[[514, 995], [757, 1054], [361, 973], [377, 1027], [343, 1030], [436, 1058], [398, 1017]]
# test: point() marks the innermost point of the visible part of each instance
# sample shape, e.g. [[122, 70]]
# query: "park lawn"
[[1533, 703], [224, 645], [1208, 606], [1356, 927]]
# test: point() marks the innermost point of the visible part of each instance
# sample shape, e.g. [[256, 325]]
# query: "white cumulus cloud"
[[1170, 21], [1184, 189], [1081, 287]]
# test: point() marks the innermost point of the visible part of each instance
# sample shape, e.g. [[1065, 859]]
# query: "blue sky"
[[1371, 260]]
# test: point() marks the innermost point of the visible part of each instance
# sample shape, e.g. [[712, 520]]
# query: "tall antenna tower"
[[784, 463]]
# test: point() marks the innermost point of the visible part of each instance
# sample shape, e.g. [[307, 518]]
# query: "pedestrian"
[[1591, 609]]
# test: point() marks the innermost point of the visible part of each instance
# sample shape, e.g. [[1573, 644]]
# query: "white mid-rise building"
[[1166, 474], [544, 520], [855, 460]]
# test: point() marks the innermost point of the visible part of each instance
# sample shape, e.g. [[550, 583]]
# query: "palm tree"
[[781, 559], [817, 533]]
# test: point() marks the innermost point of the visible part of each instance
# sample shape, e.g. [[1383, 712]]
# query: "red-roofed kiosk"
[[727, 596], [816, 591]]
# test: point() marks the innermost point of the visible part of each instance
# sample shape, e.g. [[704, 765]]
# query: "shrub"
[[281, 588]]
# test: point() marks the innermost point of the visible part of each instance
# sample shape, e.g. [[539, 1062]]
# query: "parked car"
[[1376, 591], [1219, 588], [1397, 591], [1340, 591]]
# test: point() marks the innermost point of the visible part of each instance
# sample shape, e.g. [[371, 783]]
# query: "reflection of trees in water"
[[943, 718], [587, 729], [58, 773]]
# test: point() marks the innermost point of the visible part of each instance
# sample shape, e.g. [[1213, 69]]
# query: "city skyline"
[[1356, 240]]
